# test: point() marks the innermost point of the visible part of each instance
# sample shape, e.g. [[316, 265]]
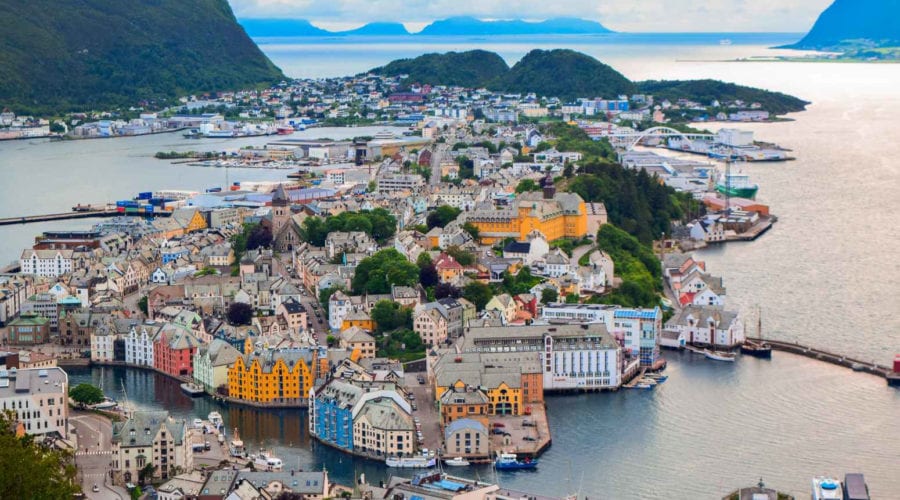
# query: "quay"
[[81, 214], [892, 377]]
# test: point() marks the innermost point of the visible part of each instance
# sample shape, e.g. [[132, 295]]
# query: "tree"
[[444, 290], [376, 274], [472, 229], [260, 237], [478, 293], [86, 394], [462, 256], [240, 313], [527, 185], [549, 295], [428, 276], [388, 316], [572, 298], [313, 231], [31, 470], [441, 216], [146, 473], [142, 305]]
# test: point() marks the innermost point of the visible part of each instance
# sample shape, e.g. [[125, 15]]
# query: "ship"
[[826, 488], [285, 130], [737, 185], [456, 462], [220, 134], [236, 446], [215, 418], [192, 390], [509, 461], [761, 349], [265, 461], [417, 462]]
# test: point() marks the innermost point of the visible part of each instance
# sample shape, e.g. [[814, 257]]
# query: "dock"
[[81, 214], [858, 365]]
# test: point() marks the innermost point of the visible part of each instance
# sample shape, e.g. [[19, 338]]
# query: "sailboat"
[[760, 349]]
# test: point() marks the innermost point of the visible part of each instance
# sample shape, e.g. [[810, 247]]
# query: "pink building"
[[173, 350]]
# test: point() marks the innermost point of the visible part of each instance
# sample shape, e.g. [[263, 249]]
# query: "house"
[[174, 349], [556, 264], [354, 338], [466, 437], [706, 325], [708, 230], [211, 363], [255, 485], [505, 305], [530, 250], [294, 313], [183, 486], [701, 289], [149, 438], [38, 399], [431, 325], [449, 270], [139, 344]]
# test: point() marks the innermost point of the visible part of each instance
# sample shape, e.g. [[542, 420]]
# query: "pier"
[[830, 357], [81, 214]]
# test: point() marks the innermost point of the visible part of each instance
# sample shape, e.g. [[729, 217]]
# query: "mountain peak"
[[854, 22]]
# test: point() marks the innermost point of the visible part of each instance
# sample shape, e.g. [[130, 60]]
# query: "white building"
[[150, 438], [704, 325], [735, 137], [139, 344], [39, 397], [102, 347], [49, 263]]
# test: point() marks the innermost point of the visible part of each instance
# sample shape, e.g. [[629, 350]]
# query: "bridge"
[[83, 214], [629, 140]]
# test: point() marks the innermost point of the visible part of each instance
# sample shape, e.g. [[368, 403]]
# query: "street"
[[426, 411], [94, 456]]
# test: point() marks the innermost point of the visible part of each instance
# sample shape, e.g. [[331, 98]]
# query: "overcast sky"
[[620, 15]]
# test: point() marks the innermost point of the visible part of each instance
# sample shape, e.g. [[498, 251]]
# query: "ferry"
[[509, 461], [737, 185], [236, 446], [826, 488], [457, 462], [419, 462], [267, 462], [215, 418], [720, 355]]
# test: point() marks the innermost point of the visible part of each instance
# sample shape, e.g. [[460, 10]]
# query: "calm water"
[[826, 275]]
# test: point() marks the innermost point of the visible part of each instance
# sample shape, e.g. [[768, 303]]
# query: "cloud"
[[639, 15]]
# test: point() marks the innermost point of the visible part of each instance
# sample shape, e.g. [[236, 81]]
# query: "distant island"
[[858, 29], [60, 55], [568, 74], [453, 26]]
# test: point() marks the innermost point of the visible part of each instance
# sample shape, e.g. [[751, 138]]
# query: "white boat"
[[198, 424], [418, 462], [720, 355], [456, 462], [236, 446], [215, 418], [826, 488], [106, 404], [267, 462]]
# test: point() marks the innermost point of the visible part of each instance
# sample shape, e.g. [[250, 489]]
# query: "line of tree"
[[377, 223]]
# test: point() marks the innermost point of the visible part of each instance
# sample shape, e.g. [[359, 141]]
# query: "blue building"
[[331, 413]]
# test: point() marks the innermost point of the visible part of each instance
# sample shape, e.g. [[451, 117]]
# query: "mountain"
[[282, 27], [565, 74], [849, 23], [471, 26], [378, 29], [472, 69], [706, 91], [59, 55]]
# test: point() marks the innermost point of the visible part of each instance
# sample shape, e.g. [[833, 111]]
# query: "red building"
[[173, 350]]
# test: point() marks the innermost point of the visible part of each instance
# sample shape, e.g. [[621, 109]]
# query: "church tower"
[[281, 209]]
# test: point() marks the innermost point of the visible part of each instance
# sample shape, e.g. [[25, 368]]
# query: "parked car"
[[95, 488], [529, 438]]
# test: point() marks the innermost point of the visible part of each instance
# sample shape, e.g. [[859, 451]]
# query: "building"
[[465, 403], [173, 350], [28, 329], [384, 426], [466, 437], [253, 485], [582, 357], [283, 376], [554, 215], [211, 363], [510, 380], [393, 183], [48, 263], [149, 438], [431, 325], [458, 313], [355, 338], [39, 399], [705, 325], [139, 344]]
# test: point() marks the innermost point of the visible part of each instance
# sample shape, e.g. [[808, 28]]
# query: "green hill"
[[474, 68], [565, 74], [60, 55], [706, 91], [855, 23]]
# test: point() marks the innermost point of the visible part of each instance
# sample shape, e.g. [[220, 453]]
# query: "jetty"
[[75, 214], [854, 364]]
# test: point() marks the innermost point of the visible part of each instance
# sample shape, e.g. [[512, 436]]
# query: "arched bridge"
[[629, 140]]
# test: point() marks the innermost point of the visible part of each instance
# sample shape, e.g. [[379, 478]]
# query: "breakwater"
[[830, 357]]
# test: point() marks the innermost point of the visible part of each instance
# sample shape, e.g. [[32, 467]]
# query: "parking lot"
[[527, 434]]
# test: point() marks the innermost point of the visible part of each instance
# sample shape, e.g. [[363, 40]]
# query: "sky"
[[619, 15]]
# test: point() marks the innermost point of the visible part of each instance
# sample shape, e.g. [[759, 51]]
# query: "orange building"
[[271, 376]]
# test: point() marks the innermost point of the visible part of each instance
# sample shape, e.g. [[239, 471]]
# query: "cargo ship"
[[737, 185]]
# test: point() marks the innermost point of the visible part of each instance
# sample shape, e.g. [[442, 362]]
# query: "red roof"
[[687, 298], [445, 261]]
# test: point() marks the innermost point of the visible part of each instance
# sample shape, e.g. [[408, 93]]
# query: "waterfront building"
[[554, 215], [509, 380], [48, 263], [706, 325], [637, 330], [28, 330], [467, 438], [150, 438], [384, 426], [103, 347], [252, 485], [39, 399], [173, 350], [572, 356], [464, 403], [281, 376], [139, 343], [211, 363], [331, 413]]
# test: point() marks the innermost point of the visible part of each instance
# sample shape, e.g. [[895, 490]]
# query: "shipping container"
[[897, 363], [121, 210], [145, 195], [214, 190]]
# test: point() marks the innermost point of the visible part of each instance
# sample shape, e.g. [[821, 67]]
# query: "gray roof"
[[386, 414], [464, 424], [146, 424], [703, 314], [297, 482]]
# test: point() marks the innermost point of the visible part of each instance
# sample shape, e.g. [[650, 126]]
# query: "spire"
[[280, 198]]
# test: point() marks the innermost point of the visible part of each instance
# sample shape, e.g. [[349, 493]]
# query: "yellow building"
[[358, 319], [554, 215], [269, 376]]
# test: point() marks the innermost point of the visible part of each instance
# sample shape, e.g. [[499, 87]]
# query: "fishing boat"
[[761, 349], [192, 390], [826, 488], [658, 377], [215, 418], [236, 446], [456, 462], [720, 355], [267, 462], [648, 381], [509, 461], [418, 462]]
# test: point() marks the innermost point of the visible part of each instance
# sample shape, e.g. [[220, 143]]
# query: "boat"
[[639, 385], [215, 418], [419, 462], [725, 41], [826, 488], [720, 355], [198, 424], [192, 390], [285, 130], [658, 377], [107, 404], [737, 185], [236, 446], [761, 349], [220, 134], [456, 462], [509, 461], [648, 381], [265, 461]]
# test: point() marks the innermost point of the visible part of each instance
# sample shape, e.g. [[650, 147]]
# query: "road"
[[577, 253], [94, 456], [318, 321], [426, 411]]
